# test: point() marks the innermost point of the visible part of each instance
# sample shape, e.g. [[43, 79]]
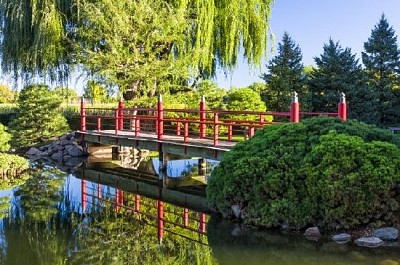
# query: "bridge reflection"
[[181, 211]]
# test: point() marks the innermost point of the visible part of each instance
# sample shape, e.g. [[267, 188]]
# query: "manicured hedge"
[[321, 171]]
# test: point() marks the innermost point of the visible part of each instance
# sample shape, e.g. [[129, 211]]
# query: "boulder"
[[73, 151], [386, 233], [236, 210], [341, 238], [34, 152], [371, 242], [312, 232], [57, 156]]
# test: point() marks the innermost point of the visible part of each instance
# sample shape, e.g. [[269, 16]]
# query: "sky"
[[311, 23]]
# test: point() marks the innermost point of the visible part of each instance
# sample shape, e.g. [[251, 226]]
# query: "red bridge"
[[193, 132]]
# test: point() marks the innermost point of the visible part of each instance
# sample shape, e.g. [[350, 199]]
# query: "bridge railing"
[[186, 124]]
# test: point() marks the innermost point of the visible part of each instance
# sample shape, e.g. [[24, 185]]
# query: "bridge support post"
[[342, 107], [83, 115], [160, 118], [202, 166], [295, 109], [202, 117]]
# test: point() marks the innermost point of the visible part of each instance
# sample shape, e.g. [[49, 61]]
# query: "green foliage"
[[352, 182], [277, 177], [38, 118], [66, 94], [6, 94], [141, 44], [5, 138], [382, 62], [240, 99], [12, 169], [95, 92], [338, 71], [285, 75]]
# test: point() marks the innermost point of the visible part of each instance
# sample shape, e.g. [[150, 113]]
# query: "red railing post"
[[186, 131], [160, 215], [120, 115], [295, 109], [178, 128], [230, 132], [202, 117], [83, 115], [137, 127], [342, 107], [251, 132], [216, 129], [83, 195], [99, 124], [116, 121], [160, 118]]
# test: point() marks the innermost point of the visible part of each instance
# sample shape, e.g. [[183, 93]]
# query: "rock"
[[73, 161], [312, 232], [371, 242], [386, 233], [57, 156], [64, 142], [34, 152], [341, 238], [236, 210], [73, 151]]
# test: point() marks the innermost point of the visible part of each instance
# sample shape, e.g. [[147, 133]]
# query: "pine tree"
[[285, 75], [339, 71], [38, 119], [382, 62]]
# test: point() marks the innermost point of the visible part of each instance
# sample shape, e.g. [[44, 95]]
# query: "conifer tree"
[[38, 119], [339, 71], [285, 75], [382, 62]]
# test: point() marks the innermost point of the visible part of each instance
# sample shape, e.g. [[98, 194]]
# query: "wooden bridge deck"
[[171, 144]]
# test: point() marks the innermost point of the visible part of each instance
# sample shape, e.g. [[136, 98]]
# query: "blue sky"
[[311, 23]]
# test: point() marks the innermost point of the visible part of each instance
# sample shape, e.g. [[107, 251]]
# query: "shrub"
[[38, 118], [301, 174]]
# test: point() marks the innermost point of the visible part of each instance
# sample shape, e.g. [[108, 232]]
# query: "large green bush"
[[321, 171], [38, 117]]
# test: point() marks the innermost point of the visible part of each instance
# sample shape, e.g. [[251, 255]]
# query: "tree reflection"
[[128, 238], [41, 193]]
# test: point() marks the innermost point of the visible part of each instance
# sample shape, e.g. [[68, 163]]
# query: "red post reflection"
[[83, 197], [160, 215], [202, 222]]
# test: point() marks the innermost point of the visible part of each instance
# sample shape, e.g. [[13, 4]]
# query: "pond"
[[106, 214]]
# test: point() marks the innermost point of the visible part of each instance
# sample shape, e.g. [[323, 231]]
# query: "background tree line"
[[372, 89]]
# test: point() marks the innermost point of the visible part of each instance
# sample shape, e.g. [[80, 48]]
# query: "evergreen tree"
[[339, 71], [382, 62], [38, 118], [285, 75]]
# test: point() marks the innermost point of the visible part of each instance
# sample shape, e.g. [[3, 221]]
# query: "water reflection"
[[114, 216]]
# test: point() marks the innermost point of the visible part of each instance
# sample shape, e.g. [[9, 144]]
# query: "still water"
[[107, 214]]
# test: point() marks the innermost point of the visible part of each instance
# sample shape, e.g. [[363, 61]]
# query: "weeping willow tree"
[[133, 43]]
